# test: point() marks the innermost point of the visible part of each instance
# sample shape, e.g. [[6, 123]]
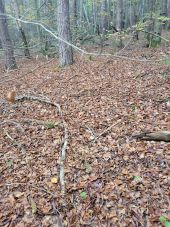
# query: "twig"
[[34, 98], [128, 43], [39, 66], [30, 184], [90, 130], [154, 34], [62, 159], [16, 143], [64, 147], [39, 122], [106, 130], [31, 71], [12, 122], [65, 143]]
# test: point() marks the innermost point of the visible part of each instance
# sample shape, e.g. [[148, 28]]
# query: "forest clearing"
[[85, 141]]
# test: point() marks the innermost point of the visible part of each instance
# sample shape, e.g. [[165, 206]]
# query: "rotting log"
[[155, 136]]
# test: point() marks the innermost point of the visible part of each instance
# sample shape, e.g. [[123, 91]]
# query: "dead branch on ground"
[[155, 136], [105, 131], [65, 141]]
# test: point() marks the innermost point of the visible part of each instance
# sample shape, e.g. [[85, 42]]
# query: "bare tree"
[[65, 50], [10, 62]]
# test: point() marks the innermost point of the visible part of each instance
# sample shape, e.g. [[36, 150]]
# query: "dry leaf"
[[18, 194], [54, 180]]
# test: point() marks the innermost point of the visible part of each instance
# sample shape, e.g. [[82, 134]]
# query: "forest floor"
[[111, 179]]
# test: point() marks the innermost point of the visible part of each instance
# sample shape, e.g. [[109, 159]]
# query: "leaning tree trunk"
[[64, 33], [10, 62], [20, 28]]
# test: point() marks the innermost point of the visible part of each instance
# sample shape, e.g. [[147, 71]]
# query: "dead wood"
[[155, 136]]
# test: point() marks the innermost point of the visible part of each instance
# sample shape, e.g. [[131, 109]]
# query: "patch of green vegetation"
[[83, 195], [164, 221], [88, 167], [9, 163], [166, 61], [50, 124], [137, 178]]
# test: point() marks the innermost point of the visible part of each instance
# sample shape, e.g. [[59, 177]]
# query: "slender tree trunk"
[[23, 36], [74, 9], [119, 22], [168, 13], [81, 17], [86, 15], [132, 14], [39, 30], [65, 51], [142, 7], [94, 13], [104, 17], [10, 62]]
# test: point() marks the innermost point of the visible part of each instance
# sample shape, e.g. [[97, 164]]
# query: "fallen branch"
[[47, 124], [62, 159], [64, 147], [84, 52], [106, 130], [27, 73], [93, 134], [14, 123], [155, 136], [34, 98], [65, 141]]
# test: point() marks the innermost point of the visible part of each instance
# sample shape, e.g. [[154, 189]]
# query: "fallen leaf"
[[54, 180], [18, 194]]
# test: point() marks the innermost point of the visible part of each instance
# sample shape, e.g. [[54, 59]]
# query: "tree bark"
[[74, 9], [168, 13], [103, 18], [133, 17], [119, 17], [65, 50], [10, 62], [156, 136]]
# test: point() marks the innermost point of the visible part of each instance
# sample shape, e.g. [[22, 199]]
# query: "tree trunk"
[[74, 9], [119, 17], [65, 51], [39, 30], [10, 62], [133, 18], [168, 13], [103, 18], [23, 36], [94, 13]]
